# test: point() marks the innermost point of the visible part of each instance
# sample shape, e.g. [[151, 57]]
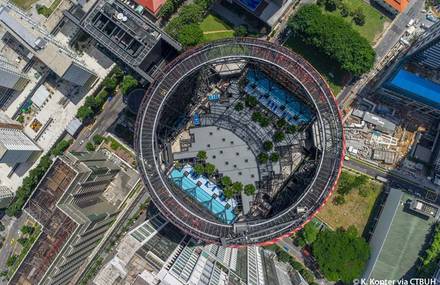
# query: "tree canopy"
[[190, 35], [333, 37], [249, 189], [341, 254], [202, 155]]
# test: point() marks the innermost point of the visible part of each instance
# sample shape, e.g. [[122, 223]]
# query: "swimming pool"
[[277, 99], [207, 194]]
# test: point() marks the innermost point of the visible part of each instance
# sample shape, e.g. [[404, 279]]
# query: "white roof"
[[73, 126], [40, 96]]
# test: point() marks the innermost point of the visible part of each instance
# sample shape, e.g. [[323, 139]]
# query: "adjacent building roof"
[[381, 124], [397, 240], [152, 5], [417, 87], [40, 96], [399, 5]]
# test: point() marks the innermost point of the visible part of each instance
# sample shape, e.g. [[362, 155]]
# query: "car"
[[431, 18], [410, 23]]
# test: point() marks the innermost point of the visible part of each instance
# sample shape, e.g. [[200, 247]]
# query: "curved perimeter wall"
[[264, 231]]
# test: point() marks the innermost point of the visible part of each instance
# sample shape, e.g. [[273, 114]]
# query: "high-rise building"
[[414, 81], [130, 37], [15, 146], [70, 205], [39, 43], [11, 79], [6, 196], [156, 252]]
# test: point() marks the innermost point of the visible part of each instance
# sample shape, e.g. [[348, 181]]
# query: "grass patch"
[[24, 4], [332, 74], [374, 20], [356, 210], [214, 29], [47, 11]]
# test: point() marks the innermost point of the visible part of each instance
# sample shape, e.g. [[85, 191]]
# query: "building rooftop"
[[421, 88], [398, 239], [59, 59], [58, 227], [152, 5], [399, 5]]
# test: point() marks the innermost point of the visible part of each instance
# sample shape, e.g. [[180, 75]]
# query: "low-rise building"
[[393, 7]]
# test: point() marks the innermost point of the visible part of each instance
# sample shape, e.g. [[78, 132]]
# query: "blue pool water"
[[212, 204], [276, 98]]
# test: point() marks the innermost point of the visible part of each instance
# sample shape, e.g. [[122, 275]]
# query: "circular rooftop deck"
[[176, 207]]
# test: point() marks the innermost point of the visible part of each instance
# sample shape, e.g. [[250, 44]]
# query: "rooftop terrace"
[[57, 227]]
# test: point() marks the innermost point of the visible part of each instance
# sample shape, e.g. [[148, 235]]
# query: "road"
[[395, 179], [287, 245], [383, 48], [13, 227], [102, 123]]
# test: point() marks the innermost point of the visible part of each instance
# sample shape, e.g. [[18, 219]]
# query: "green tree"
[[431, 257], [333, 37], [359, 17], [347, 182], [263, 157], [341, 255], [60, 148], [241, 31], [280, 123], [209, 169], [256, 116], [11, 260], [237, 187], [118, 73], [361, 180], [101, 98], [90, 146], [238, 107], [27, 230], [190, 35], [92, 103], [205, 4], [278, 136], [268, 145], [228, 192], [309, 233], [128, 83], [84, 113], [191, 13], [22, 241], [251, 101], [264, 121], [274, 157], [338, 200], [98, 139], [291, 129], [249, 189], [199, 169], [202, 155], [110, 83], [226, 181]]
